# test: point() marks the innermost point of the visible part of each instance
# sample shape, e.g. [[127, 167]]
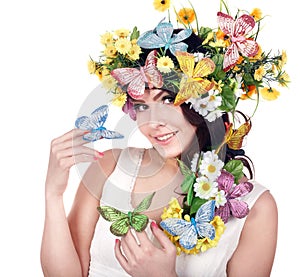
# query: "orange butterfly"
[[193, 82], [234, 138]]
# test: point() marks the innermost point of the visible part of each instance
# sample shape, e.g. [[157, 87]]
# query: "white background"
[[45, 46]]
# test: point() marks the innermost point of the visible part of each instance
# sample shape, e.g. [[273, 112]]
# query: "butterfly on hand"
[[94, 124], [193, 82], [161, 36], [236, 30], [190, 231], [121, 222], [234, 138], [136, 78]]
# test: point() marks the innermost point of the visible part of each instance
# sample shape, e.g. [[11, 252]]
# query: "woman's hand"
[[140, 257], [67, 150]]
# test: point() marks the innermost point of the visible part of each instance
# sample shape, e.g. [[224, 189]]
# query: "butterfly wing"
[[125, 75], [150, 40], [108, 134], [189, 238], [203, 68], [226, 23], [243, 25], [203, 216], [175, 226], [188, 88], [110, 213], [94, 121], [153, 76], [231, 57], [145, 204], [120, 227], [139, 222], [176, 41], [186, 62], [248, 47], [239, 209], [236, 137]]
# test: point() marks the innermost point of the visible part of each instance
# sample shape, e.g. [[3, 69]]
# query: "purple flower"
[[128, 109], [233, 206]]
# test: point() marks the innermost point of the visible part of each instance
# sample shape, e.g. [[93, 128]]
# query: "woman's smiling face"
[[163, 123]]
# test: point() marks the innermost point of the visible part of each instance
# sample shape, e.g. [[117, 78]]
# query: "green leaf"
[[197, 203], [228, 99], [190, 195], [218, 73], [235, 167], [135, 33], [188, 182]]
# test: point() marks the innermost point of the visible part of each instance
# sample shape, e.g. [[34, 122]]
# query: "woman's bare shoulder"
[[255, 253]]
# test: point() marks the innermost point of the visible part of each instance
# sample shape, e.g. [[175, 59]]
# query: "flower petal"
[[241, 189], [239, 208]]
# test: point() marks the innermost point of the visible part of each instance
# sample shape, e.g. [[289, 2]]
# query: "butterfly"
[[94, 124], [189, 231], [136, 78], [234, 138], [236, 30], [193, 83], [161, 36], [122, 221]]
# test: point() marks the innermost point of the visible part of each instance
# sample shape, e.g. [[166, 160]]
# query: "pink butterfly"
[[236, 207], [136, 78], [236, 30]]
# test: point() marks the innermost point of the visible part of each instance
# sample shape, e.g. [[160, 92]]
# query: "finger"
[[68, 162], [72, 134], [160, 236], [120, 257]]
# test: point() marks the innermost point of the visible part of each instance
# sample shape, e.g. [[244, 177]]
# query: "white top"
[[117, 193]]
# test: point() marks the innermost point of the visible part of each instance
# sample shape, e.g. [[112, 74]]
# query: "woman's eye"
[[168, 100], [140, 107]]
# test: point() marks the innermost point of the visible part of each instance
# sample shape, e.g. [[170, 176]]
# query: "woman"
[[67, 240], [178, 111]]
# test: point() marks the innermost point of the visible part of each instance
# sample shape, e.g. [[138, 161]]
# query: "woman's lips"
[[165, 138]]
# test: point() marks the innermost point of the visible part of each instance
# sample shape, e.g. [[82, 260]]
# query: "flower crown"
[[227, 66]]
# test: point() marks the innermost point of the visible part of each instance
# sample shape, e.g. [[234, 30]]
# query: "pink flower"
[[233, 206]]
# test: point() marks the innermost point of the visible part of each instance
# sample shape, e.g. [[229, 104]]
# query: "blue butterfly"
[[94, 124], [161, 36], [189, 231]]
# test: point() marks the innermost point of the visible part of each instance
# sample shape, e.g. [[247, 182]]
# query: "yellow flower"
[[122, 33], [165, 64], [259, 73], [257, 14], [123, 45], [161, 5], [92, 67], [134, 52], [283, 60], [186, 15], [209, 37], [251, 90], [110, 51], [174, 210], [269, 93], [218, 85], [108, 82], [107, 38], [284, 79], [119, 99]]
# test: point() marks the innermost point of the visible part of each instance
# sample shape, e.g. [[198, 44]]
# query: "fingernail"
[[95, 158], [117, 241], [100, 154], [153, 224], [86, 132]]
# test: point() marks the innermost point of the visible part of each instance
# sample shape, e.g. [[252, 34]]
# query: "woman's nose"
[[156, 117]]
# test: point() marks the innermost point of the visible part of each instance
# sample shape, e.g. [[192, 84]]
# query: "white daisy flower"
[[204, 188], [212, 116], [211, 165], [220, 198]]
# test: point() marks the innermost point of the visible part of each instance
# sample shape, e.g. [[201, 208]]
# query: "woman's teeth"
[[165, 137]]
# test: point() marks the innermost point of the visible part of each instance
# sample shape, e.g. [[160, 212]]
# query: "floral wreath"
[[230, 67]]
